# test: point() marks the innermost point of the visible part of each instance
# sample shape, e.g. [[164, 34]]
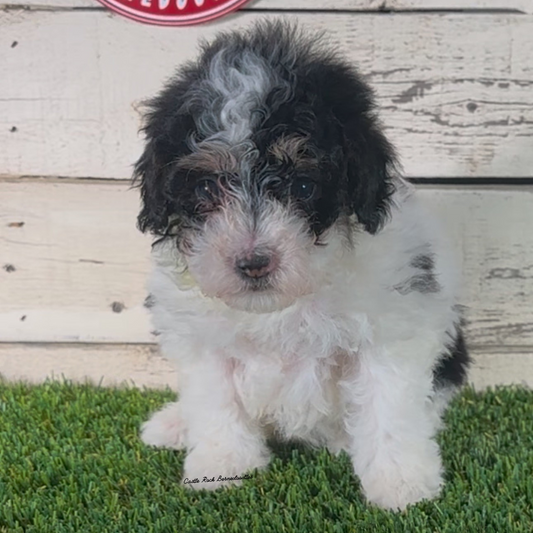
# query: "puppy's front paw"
[[207, 466], [394, 485], [165, 428]]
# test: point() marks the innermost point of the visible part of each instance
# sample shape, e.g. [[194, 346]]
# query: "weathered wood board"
[[344, 5], [78, 264], [75, 270], [106, 364], [454, 90], [141, 365]]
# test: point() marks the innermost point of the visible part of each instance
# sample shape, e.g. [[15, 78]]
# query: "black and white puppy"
[[297, 283]]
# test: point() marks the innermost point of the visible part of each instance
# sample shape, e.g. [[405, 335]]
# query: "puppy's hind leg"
[[165, 428]]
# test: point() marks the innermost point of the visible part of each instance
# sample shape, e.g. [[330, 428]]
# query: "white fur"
[[345, 361], [240, 89]]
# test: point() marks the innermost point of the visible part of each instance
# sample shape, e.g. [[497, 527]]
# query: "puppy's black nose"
[[255, 266]]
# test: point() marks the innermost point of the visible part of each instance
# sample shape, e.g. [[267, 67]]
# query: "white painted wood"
[[138, 365], [141, 365], [490, 229], [345, 5], [79, 252], [454, 90], [502, 366]]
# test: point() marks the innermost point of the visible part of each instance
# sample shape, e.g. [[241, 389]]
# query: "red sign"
[[173, 12]]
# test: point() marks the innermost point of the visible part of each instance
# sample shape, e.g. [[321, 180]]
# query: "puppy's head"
[[257, 155]]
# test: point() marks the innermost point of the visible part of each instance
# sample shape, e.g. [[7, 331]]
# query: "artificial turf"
[[71, 461]]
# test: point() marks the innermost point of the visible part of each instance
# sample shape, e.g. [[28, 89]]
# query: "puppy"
[[297, 283]]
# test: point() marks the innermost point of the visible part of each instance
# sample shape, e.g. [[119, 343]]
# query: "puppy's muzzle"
[[255, 267]]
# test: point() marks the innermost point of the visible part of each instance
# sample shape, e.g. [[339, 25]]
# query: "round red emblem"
[[173, 12]]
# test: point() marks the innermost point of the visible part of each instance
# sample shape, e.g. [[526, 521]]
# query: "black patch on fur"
[[423, 262], [318, 95], [452, 368], [425, 281]]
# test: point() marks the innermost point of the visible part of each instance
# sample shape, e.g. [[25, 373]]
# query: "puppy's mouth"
[[258, 285]]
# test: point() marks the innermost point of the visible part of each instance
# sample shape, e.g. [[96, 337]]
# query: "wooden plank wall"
[[453, 89], [454, 81]]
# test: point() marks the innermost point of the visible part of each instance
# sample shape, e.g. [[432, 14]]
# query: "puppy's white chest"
[[294, 394]]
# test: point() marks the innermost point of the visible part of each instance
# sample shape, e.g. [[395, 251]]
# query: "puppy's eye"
[[207, 190], [303, 189]]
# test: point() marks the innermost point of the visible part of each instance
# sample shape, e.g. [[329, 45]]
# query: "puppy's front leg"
[[222, 440], [391, 427]]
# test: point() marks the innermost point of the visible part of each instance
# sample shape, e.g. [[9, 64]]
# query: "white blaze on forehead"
[[240, 83]]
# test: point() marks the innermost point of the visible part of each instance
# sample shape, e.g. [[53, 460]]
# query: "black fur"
[[424, 281], [320, 96], [453, 366], [424, 262]]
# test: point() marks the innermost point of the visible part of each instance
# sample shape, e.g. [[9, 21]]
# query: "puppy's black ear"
[[368, 158], [166, 131], [370, 164], [150, 176]]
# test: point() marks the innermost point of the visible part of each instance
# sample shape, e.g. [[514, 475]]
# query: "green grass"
[[71, 461]]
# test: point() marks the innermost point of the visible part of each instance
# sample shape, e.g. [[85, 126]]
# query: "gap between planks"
[[464, 183], [281, 10], [360, 6]]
